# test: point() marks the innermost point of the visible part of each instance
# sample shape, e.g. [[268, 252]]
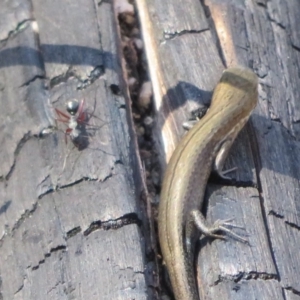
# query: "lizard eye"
[[72, 107]]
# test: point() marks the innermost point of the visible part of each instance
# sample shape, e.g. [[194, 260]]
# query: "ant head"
[[72, 107]]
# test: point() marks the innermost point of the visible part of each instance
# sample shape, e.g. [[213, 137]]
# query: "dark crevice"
[[97, 72], [19, 28], [32, 80], [61, 78], [48, 191], [262, 77], [21, 143], [275, 22], [170, 36], [262, 4], [49, 292], [115, 89], [293, 225], [216, 179], [2, 239], [19, 289], [76, 182], [246, 276], [269, 18], [130, 269], [58, 248], [295, 47], [23, 217], [53, 189], [119, 162], [293, 290], [73, 232], [94, 226], [36, 267], [276, 214], [127, 219], [47, 255], [61, 187], [106, 177], [277, 120]]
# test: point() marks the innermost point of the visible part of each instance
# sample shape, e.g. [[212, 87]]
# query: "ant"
[[75, 121]]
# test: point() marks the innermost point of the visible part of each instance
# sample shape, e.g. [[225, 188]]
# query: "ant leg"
[[62, 115], [68, 131], [61, 120], [80, 109], [81, 118], [81, 114]]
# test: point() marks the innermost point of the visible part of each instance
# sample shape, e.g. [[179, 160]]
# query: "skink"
[[203, 149]]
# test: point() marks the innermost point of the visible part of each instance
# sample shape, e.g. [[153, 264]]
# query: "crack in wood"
[[73, 232], [23, 217], [96, 73], [63, 78], [275, 214], [246, 276], [49, 189], [291, 289], [53, 188], [293, 225], [295, 47], [34, 78], [19, 28], [46, 255], [20, 288], [127, 219], [262, 4], [172, 35], [61, 187], [275, 22], [20, 145]]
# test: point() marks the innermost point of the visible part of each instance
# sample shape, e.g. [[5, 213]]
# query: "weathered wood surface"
[[70, 220], [188, 44]]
